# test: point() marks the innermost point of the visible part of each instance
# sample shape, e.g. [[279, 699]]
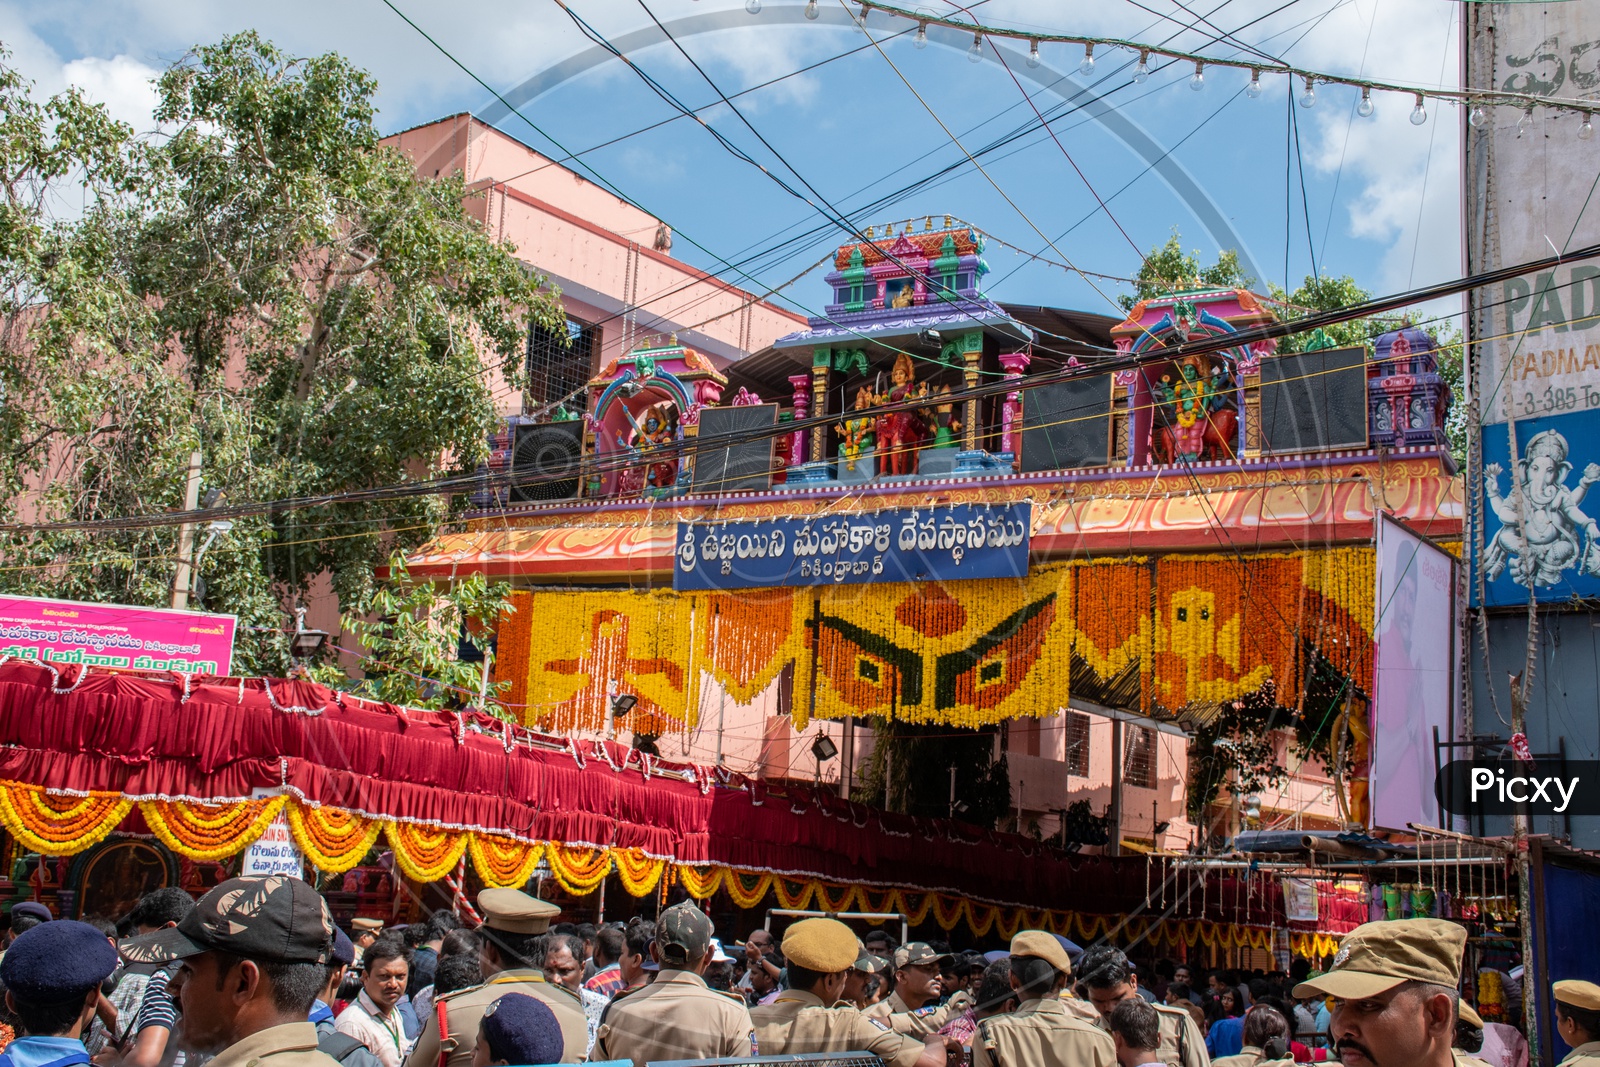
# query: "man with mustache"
[[1395, 988]]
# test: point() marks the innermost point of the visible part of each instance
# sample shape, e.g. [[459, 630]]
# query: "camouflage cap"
[[276, 919], [1375, 957], [919, 954], [683, 934], [867, 963]]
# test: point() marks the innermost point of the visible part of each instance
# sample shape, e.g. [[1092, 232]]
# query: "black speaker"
[[1312, 401], [545, 461], [1067, 424], [741, 463]]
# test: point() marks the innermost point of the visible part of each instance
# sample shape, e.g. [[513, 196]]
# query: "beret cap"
[[1584, 995], [520, 1029], [1044, 946], [823, 945], [57, 962]]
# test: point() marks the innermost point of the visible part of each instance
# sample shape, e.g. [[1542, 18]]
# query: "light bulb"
[[1309, 97], [1419, 114], [921, 39], [1086, 68], [1033, 53], [1141, 73], [1525, 123], [1253, 90], [975, 53], [1586, 131], [1366, 108], [1477, 117], [1198, 82], [811, 10], [753, 6]]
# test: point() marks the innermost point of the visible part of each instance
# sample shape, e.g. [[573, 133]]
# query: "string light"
[[1366, 108], [1254, 89], [1419, 114], [1477, 116], [975, 53], [1086, 68], [753, 6], [1141, 73], [1586, 131], [811, 10], [920, 41], [1525, 123], [1198, 82], [1033, 53], [1309, 97]]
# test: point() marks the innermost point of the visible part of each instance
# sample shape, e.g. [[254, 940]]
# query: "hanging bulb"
[[1141, 73], [1525, 123], [921, 39], [1477, 116], [1254, 89], [1309, 97], [811, 10], [1366, 108], [1033, 53], [1198, 82], [1419, 114], [1586, 131], [753, 6], [1086, 68], [975, 53]]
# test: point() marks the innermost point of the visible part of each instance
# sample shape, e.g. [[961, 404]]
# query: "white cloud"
[[123, 84]]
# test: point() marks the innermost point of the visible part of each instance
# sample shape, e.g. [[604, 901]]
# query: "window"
[[559, 367], [1078, 744], [1139, 757]]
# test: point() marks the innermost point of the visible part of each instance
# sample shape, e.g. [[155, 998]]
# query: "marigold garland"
[[58, 825], [842, 902], [701, 882], [639, 873], [503, 862], [333, 840], [206, 832], [792, 894], [579, 870], [425, 853], [746, 889], [513, 650]]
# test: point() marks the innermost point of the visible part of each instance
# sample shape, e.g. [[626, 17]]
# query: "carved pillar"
[[1014, 364], [801, 384], [819, 401]]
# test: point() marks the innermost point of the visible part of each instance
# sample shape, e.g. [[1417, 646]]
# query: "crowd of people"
[[257, 974]]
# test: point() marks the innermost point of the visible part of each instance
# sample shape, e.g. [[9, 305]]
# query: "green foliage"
[[910, 772], [1235, 746], [1169, 269], [411, 632], [262, 281]]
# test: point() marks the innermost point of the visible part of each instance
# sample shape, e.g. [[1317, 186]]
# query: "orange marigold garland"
[[638, 872], [746, 889], [58, 825], [701, 882], [503, 862], [206, 832], [579, 870], [333, 840], [425, 853], [792, 894], [826, 902]]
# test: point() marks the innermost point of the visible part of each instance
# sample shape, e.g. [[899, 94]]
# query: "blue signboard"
[[898, 545], [1555, 547]]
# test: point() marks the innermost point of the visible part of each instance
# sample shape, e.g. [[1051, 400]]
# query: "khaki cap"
[[1376, 957], [1465, 1013], [1585, 995], [367, 926], [1044, 946], [823, 945], [515, 912]]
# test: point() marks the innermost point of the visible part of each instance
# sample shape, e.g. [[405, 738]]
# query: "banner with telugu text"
[[114, 635]]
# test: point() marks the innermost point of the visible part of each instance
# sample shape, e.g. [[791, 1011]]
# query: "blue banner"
[[1554, 548], [897, 545]]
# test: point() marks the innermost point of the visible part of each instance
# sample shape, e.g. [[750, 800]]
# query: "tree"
[[911, 766], [264, 282], [1169, 268]]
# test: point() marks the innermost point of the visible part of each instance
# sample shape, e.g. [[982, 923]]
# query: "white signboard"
[[1532, 189], [274, 852]]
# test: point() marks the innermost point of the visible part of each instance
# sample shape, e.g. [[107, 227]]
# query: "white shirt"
[[383, 1035]]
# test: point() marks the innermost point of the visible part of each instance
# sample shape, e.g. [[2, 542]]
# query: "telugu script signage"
[[897, 545], [113, 635]]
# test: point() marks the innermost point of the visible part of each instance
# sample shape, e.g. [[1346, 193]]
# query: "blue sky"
[[1381, 195]]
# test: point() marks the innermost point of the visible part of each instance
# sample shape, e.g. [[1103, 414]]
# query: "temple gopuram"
[[836, 530]]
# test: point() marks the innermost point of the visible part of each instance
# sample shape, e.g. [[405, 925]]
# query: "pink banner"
[[113, 635]]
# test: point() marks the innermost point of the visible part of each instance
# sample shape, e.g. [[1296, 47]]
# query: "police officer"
[[822, 953], [1394, 989], [1040, 1033], [1578, 1021], [913, 1007], [856, 979], [676, 1017], [511, 960], [1109, 978], [52, 975]]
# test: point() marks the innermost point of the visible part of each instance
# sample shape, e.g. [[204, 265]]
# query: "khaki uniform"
[[1585, 1055], [676, 1017], [1462, 1058], [798, 1022], [1250, 1056], [289, 1045], [898, 1016], [464, 1011], [1182, 1043], [1041, 1034], [1081, 1010]]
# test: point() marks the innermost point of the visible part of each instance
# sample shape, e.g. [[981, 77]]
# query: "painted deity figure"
[[1554, 535], [1192, 403], [942, 420], [856, 430], [651, 434], [899, 433]]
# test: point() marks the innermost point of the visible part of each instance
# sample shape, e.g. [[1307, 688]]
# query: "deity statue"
[[900, 433], [942, 420], [652, 434], [856, 430], [1192, 401], [1197, 421], [1554, 534], [903, 298]]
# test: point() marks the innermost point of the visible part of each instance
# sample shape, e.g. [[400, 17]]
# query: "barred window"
[[1139, 764], [558, 369], [1078, 744]]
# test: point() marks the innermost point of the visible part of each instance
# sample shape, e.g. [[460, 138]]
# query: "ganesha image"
[[1544, 531]]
